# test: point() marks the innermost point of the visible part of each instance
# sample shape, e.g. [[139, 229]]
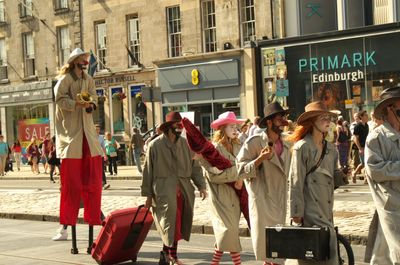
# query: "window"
[[174, 31], [101, 45], [3, 60], [247, 20], [25, 8], [209, 26], [63, 45], [29, 54], [133, 40], [60, 4], [2, 11]]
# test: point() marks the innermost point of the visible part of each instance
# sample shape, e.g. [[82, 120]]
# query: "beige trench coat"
[[267, 189], [311, 197], [382, 167], [224, 203], [167, 166], [71, 121]]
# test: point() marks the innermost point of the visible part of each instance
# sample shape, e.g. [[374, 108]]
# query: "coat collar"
[[391, 133], [75, 77]]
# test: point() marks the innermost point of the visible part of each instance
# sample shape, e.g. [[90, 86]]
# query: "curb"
[[196, 229]]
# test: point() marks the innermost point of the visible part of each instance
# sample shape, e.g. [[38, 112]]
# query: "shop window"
[[101, 45], [178, 108], [3, 60], [63, 45], [117, 96], [98, 114], [209, 26], [2, 12], [174, 31], [29, 54], [138, 108], [134, 41], [202, 117]]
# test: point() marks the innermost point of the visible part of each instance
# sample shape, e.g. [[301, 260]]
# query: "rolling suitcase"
[[122, 235], [304, 243]]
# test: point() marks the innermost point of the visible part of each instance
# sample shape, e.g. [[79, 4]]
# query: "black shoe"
[[163, 259]]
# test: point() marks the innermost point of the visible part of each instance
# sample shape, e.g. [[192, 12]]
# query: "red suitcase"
[[122, 235]]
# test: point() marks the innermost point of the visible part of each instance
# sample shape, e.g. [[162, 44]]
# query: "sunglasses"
[[326, 117], [396, 111]]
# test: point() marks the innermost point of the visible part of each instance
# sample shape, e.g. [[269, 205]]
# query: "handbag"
[[113, 154]]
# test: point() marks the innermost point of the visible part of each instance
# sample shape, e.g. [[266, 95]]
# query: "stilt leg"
[[89, 249], [74, 249]]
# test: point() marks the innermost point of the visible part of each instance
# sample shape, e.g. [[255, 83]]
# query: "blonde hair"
[[65, 69], [221, 138]]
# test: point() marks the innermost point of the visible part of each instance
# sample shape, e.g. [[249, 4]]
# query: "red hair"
[[301, 131]]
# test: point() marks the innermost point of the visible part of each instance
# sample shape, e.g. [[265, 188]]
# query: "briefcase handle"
[[137, 212]]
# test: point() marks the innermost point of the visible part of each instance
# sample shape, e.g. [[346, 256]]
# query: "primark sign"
[[337, 67]]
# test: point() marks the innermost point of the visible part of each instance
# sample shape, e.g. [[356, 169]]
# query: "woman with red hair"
[[312, 174]]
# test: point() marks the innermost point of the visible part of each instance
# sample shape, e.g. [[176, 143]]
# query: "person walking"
[[111, 152], [312, 174], [33, 153], [382, 167], [137, 143], [45, 151], [76, 142], [53, 161], [103, 148], [360, 134], [3, 155], [224, 201], [264, 161], [343, 144], [168, 171], [255, 127], [16, 148]]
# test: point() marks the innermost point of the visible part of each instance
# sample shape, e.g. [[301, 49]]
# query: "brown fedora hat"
[[270, 110], [388, 96], [312, 110], [170, 118]]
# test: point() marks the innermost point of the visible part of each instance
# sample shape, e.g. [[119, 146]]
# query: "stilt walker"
[[77, 145]]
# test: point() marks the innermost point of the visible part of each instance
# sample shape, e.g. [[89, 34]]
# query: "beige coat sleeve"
[[197, 176], [92, 90], [62, 94], [246, 161], [297, 177], [147, 179]]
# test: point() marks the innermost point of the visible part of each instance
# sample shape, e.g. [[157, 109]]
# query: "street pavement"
[[25, 196]]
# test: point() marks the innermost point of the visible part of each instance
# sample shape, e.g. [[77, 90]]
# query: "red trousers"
[[81, 179], [179, 214]]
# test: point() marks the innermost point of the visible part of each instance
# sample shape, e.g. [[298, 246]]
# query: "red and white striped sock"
[[236, 258], [217, 256]]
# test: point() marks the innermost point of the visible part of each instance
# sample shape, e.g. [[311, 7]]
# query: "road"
[[28, 242]]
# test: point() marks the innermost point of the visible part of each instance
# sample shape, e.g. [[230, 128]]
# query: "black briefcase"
[[305, 243]]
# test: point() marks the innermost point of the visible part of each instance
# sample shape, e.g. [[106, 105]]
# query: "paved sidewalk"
[[352, 217]]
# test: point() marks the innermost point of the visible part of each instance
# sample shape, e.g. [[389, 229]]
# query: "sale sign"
[[33, 127]]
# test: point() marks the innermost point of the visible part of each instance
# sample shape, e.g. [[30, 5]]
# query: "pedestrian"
[[155, 134], [104, 155], [331, 136], [382, 167], [254, 128], [224, 202], [137, 146], [312, 174], [76, 142], [32, 150], [3, 155], [168, 171], [17, 150], [244, 128], [264, 161], [343, 144], [360, 134], [53, 160], [45, 151], [111, 151], [354, 156]]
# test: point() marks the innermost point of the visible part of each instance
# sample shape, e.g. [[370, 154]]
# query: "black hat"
[[388, 96], [270, 110]]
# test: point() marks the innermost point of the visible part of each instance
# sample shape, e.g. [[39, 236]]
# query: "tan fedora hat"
[[312, 110], [388, 97], [75, 54]]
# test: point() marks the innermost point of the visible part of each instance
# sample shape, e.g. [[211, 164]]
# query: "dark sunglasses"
[[396, 111]]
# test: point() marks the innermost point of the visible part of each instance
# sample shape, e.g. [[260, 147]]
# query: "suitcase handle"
[[136, 214]]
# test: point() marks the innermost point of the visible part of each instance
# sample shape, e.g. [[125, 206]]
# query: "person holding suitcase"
[[167, 174], [312, 174]]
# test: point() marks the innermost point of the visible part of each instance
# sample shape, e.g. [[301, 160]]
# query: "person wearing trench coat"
[[311, 195], [224, 202], [265, 169], [382, 157], [167, 173], [77, 144]]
